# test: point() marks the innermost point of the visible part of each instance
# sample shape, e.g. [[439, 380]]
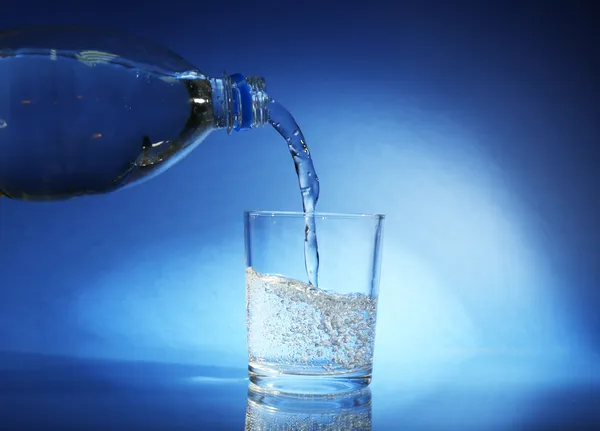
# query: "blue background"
[[472, 125]]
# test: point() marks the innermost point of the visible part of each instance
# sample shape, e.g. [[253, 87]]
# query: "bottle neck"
[[239, 102]]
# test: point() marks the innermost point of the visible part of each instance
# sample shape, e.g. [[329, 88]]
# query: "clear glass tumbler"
[[303, 339]]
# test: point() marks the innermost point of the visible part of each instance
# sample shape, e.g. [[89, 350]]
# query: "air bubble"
[[331, 329]]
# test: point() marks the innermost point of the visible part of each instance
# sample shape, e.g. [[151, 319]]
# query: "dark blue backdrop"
[[472, 126]]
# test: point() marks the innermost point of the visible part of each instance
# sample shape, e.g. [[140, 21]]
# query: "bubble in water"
[[3, 123], [290, 325]]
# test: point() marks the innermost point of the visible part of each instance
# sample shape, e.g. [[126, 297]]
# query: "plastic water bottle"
[[86, 110]]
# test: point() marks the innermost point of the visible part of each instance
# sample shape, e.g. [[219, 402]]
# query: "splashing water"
[[287, 127]]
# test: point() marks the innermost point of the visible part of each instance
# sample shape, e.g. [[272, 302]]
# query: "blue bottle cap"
[[245, 101]]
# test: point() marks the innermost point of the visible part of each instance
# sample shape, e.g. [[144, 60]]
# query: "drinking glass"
[[305, 339]]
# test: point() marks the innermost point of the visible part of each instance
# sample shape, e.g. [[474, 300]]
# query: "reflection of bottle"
[[267, 412], [84, 110]]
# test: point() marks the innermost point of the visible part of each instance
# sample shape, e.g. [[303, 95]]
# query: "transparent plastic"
[[87, 110]]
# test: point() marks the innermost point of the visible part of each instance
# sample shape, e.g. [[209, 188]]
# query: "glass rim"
[[266, 213]]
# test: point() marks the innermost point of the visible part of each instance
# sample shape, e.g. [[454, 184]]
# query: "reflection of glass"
[[303, 339], [269, 412]]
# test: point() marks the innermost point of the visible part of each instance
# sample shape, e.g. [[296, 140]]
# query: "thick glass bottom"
[[286, 382]]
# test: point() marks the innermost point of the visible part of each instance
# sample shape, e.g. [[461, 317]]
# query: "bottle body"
[[86, 111]]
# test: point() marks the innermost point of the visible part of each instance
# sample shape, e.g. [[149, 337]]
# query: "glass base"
[[287, 383]]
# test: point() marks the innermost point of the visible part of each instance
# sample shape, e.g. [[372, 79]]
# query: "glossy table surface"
[[58, 393]]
